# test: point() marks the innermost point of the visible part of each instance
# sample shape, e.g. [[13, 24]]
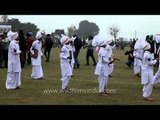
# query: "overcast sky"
[[128, 24]]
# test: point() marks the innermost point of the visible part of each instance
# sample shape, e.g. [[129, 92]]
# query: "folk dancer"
[[13, 80], [36, 58]]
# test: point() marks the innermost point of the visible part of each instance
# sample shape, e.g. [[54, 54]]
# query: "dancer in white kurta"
[[37, 71], [13, 80], [157, 75], [147, 73], [102, 68], [138, 55], [65, 63]]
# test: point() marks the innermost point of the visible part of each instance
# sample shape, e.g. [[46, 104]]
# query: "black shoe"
[[138, 75], [87, 64], [17, 88], [78, 65], [94, 64], [66, 90], [41, 78], [110, 76]]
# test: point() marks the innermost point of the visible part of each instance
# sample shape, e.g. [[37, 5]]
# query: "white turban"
[[64, 39], [39, 35], [98, 41], [9, 35], [157, 38], [14, 35], [140, 43], [109, 42]]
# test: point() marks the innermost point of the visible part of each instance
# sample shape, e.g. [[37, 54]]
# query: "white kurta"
[[14, 67], [37, 71], [66, 65], [138, 54], [102, 68], [147, 73], [157, 75], [147, 68]]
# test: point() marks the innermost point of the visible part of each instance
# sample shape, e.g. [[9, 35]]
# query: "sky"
[[130, 26]]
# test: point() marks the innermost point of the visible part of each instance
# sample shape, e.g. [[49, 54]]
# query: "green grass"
[[124, 87]]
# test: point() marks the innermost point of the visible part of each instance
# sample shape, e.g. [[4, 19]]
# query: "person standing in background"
[[78, 46], [48, 44], [29, 44], [90, 51], [5, 44], [22, 46]]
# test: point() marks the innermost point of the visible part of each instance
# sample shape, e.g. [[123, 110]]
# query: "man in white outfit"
[[36, 58], [102, 68], [13, 80], [65, 63], [157, 75], [147, 73], [138, 54]]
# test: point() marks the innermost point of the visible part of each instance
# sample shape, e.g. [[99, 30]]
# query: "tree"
[[114, 31], [71, 30], [17, 25], [87, 28]]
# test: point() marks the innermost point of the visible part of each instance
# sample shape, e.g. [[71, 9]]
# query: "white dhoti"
[[111, 67], [103, 80], [157, 77], [65, 81], [137, 69], [147, 90], [137, 65], [13, 80], [147, 81], [37, 72]]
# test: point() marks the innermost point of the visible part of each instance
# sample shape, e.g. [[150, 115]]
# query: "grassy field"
[[124, 88]]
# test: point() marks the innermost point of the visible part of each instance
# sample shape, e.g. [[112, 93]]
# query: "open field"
[[124, 88]]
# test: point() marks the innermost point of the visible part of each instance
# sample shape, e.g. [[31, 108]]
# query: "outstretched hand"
[[116, 59]]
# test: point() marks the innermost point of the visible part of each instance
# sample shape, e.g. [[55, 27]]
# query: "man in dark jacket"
[[29, 44], [23, 48], [90, 51], [78, 46], [47, 47]]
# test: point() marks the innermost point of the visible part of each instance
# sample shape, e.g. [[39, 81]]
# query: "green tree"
[[29, 27], [71, 30], [17, 25], [87, 28]]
